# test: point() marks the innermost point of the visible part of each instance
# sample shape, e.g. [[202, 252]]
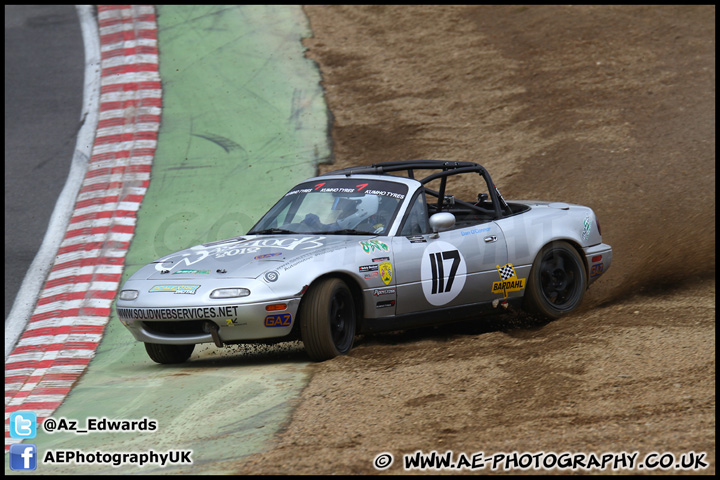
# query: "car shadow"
[[209, 356], [513, 324]]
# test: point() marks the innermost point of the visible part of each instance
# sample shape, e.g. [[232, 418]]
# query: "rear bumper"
[[598, 259]]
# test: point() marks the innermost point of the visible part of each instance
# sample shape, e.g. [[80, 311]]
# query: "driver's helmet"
[[356, 209]]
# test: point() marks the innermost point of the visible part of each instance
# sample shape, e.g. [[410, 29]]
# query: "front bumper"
[[186, 325]]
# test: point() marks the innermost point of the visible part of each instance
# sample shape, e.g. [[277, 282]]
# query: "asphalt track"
[[243, 120], [42, 116]]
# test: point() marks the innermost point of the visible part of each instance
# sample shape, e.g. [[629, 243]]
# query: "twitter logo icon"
[[23, 424]]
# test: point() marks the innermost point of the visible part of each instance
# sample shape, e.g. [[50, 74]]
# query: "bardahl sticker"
[[508, 280]]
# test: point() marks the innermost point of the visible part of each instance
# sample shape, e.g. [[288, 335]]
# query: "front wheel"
[[557, 281], [327, 320], [168, 354]]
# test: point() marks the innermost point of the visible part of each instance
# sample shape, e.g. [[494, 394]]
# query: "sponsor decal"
[[271, 276], [305, 243], [443, 271], [381, 259], [475, 231], [385, 304], [586, 228], [385, 193], [508, 280], [267, 255], [368, 268], [221, 242], [383, 291], [386, 272], [368, 276], [370, 246], [278, 320], [596, 270], [417, 239], [231, 322], [294, 262], [199, 313], [320, 187], [379, 188], [182, 289], [201, 253], [188, 271]]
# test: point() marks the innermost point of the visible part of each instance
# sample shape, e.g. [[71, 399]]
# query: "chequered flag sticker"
[[506, 271]]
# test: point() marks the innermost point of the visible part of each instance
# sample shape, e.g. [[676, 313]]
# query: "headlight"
[[229, 293], [129, 294]]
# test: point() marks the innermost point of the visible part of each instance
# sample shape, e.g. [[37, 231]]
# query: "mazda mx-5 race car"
[[368, 249]]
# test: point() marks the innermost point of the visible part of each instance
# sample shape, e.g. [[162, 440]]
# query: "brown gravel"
[[607, 106]]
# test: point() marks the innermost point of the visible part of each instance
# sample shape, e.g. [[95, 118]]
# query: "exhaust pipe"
[[212, 329]]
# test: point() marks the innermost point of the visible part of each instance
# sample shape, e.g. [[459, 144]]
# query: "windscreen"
[[340, 206]]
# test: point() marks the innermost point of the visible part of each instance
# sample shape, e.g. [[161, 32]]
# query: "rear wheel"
[[168, 354], [557, 281], [328, 320]]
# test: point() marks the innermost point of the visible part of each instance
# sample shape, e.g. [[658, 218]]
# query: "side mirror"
[[440, 222]]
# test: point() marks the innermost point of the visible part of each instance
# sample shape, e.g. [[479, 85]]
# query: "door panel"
[[458, 268]]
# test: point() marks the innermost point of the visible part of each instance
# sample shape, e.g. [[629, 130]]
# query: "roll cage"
[[445, 169]]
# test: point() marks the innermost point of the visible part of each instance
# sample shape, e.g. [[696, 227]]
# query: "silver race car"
[[368, 249]]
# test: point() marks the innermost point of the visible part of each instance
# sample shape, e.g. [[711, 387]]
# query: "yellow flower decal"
[[386, 272]]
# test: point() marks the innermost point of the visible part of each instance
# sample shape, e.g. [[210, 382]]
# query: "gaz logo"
[[596, 270], [443, 271], [278, 320]]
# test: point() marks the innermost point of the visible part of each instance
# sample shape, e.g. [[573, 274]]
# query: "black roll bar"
[[446, 168]]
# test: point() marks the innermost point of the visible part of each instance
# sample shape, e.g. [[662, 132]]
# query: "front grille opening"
[[186, 327]]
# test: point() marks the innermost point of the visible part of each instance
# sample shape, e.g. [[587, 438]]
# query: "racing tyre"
[[557, 281], [327, 320], [168, 354]]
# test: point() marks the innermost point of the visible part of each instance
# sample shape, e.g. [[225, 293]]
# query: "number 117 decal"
[[443, 272], [438, 270]]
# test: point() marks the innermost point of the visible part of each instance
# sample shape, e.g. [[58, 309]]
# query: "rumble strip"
[[73, 308]]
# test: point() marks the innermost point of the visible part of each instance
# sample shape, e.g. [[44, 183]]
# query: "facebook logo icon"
[[23, 456], [23, 424]]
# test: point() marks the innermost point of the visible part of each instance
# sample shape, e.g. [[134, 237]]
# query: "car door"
[[456, 267]]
